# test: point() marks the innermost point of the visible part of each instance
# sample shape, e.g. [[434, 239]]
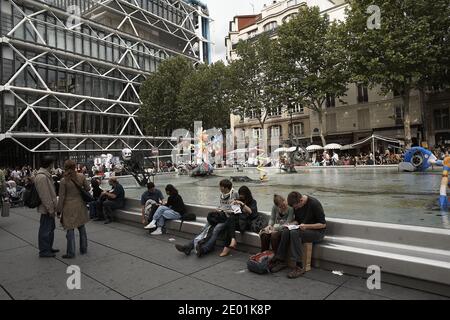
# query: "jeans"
[[46, 234], [164, 213], [70, 236], [293, 240], [209, 245]]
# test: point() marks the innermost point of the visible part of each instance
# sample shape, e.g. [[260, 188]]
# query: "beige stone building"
[[347, 119]]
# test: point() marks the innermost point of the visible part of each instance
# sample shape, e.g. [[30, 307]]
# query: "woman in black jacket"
[[246, 209], [96, 193], [174, 209]]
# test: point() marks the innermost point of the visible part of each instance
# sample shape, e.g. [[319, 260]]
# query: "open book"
[[236, 209], [292, 226]]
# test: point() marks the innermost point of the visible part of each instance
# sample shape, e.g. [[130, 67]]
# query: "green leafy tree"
[[204, 96], [256, 87], [161, 109], [315, 62], [408, 51]]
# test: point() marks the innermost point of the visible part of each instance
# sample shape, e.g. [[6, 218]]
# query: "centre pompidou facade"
[[70, 72]]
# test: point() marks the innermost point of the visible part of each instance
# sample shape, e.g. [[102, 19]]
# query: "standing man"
[[310, 219], [46, 190]]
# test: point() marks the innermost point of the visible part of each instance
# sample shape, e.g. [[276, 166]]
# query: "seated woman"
[[246, 209], [174, 209], [282, 214]]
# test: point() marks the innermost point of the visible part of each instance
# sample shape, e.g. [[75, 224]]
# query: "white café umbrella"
[[333, 146], [291, 149], [314, 147]]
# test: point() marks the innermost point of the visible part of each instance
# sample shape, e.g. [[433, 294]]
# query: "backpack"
[[259, 223], [31, 197], [260, 263], [216, 217]]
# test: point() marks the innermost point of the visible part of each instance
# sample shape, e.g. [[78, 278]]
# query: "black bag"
[[259, 223], [31, 197], [216, 217], [86, 196], [189, 217]]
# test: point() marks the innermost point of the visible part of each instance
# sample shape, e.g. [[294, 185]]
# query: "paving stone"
[[391, 291], [233, 275], [350, 294], [53, 285], [129, 275], [9, 241], [189, 289]]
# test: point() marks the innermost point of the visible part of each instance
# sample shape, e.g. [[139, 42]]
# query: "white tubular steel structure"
[[71, 69]]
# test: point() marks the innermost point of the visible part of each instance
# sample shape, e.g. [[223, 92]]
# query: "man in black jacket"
[[308, 227]]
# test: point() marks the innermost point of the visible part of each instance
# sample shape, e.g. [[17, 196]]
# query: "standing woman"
[[73, 208]]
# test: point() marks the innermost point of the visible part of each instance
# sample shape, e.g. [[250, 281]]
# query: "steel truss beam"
[[132, 142], [87, 22], [117, 72]]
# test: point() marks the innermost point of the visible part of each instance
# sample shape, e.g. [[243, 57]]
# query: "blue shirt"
[[156, 196]]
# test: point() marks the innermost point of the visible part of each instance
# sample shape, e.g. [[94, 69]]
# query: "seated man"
[[309, 226], [111, 200], [206, 240], [153, 194]]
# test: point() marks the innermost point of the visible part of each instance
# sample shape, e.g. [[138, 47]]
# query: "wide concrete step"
[[423, 268], [388, 232], [418, 262], [407, 235]]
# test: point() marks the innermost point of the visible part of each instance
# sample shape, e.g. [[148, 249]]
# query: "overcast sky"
[[222, 12]]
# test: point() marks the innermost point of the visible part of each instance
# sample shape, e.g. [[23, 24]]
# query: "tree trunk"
[[423, 113], [407, 118], [321, 128]]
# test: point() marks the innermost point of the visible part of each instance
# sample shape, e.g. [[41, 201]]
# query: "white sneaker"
[[157, 232], [151, 225]]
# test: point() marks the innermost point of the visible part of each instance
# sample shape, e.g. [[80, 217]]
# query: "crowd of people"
[[293, 221], [64, 194], [333, 158], [75, 200]]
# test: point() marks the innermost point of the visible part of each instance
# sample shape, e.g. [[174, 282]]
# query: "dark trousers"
[[46, 234], [293, 241], [93, 209], [235, 223], [70, 236], [105, 208], [269, 240]]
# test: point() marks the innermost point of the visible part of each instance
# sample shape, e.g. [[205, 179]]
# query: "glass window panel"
[[69, 40], [78, 44], [94, 48], [61, 39]]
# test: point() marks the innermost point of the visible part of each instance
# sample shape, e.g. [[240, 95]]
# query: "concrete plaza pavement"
[[125, 262]]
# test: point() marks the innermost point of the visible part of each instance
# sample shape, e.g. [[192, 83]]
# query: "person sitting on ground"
[[153, 194], [309, 226], [174, 209], [281, 214], [206, 240], [111, 200], [245, 209]]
